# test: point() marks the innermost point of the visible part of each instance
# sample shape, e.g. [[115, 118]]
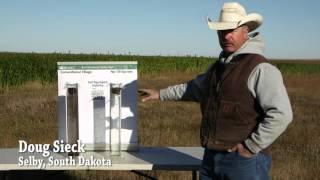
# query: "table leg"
[[3, 175], [143, 175], [194, 175]]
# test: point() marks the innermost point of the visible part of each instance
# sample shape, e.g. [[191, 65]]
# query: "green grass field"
[[28, 110]]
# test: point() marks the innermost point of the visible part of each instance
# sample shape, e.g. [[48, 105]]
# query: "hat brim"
[[253, 20]]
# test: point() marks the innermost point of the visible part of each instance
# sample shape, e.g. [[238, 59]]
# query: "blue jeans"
[[230, 166]]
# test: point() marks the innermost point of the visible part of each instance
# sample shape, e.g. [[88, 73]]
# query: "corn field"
[[19, 68]]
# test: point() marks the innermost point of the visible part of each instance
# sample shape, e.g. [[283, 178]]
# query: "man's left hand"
[[241, 150]]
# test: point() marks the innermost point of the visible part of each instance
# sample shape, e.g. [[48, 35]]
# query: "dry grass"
[[30, 113], [296, 154]]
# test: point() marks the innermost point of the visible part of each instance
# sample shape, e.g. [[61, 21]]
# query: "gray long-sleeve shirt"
[[265, 84]]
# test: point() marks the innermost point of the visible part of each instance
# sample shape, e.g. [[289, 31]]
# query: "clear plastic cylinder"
[[72, 114], [115, 119]]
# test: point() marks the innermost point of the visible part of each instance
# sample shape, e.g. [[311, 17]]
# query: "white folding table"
[[147, 158]]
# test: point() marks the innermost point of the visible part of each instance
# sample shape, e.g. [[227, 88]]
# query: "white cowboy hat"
[[233, 15]]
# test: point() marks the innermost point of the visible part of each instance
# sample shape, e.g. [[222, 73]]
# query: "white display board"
[[96, 109]]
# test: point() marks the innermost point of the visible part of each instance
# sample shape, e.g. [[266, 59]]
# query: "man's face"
[[232, 39]]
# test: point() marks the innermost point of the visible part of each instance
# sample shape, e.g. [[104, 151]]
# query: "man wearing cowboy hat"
[[243, 100]]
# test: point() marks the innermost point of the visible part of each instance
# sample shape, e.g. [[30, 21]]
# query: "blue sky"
[[151, 27]]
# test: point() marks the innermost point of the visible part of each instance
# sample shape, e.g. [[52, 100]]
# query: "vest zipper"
[[216, 108]]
